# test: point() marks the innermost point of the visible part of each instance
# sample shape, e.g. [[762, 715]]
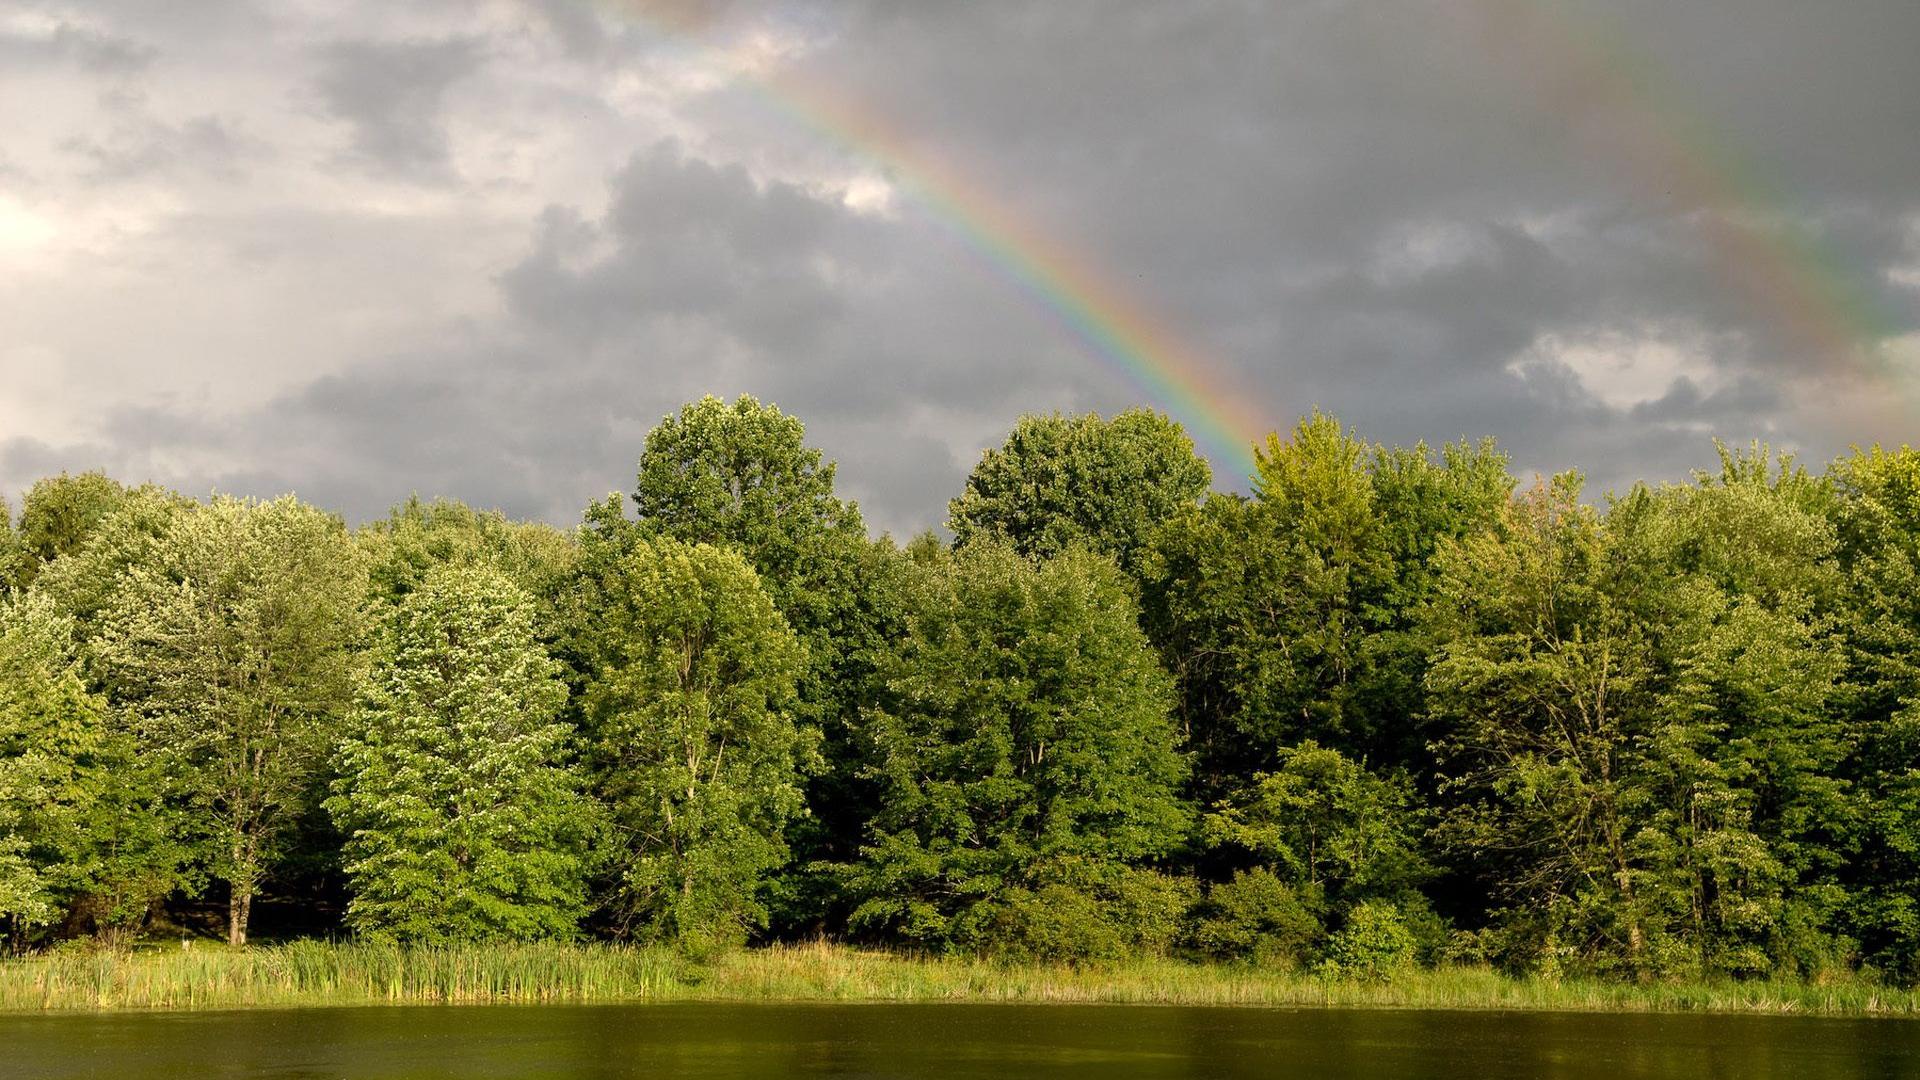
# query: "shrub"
[[1258, 917], [1375, 943], [1075, 910]]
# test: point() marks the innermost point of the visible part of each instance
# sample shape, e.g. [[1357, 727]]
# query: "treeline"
[[1392, 708]]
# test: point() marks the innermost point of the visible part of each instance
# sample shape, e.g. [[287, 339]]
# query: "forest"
[[1395, 708]]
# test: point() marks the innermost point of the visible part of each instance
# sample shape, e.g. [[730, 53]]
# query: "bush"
[[1375, 944], [1076, 911], [1258, 917]]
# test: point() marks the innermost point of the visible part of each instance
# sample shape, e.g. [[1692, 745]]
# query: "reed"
[[309, 973]]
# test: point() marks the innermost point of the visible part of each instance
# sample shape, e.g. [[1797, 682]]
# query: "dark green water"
[[1001, 1042]]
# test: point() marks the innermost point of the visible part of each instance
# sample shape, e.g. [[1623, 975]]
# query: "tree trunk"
[[239, 907]]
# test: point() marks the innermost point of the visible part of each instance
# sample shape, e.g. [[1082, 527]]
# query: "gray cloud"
[[1600, 232], [392, 94]]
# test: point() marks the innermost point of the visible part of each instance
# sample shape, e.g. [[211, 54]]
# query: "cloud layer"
[[359, 251]]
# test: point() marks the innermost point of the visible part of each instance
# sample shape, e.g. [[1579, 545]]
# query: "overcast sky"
[[358, 249]]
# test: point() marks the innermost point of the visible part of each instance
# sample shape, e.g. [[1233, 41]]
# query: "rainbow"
[[1118, 328], [1783, 270]]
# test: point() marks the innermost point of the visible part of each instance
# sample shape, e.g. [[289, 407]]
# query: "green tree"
[[1535, 691], [1634, 722], [231, 648], [741, 475], [463, 820], [696, 752], [1877, 515], [1061, 481], [58, 516], [11, 556], [85, 581], [84, 836], [416, 537], [1323, 822], [1024, 743]]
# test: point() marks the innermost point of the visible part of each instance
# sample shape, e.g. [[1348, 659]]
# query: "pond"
[[603, 1042]]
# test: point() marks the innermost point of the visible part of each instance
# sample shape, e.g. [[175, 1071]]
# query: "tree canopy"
[[1381, 706]]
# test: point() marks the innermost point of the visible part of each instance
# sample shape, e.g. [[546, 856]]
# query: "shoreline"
[[320, 974]]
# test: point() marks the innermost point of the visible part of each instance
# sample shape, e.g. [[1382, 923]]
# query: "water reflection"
[[947, 1041]]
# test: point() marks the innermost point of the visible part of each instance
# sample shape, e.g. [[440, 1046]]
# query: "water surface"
[[1004, 1042]]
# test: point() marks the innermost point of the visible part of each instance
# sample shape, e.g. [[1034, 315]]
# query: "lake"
[[1003, 1042]]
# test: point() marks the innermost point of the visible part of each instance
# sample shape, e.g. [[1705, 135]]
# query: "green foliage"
[[1066, 481], [1878, 535], [1673, 736], [59, 515], [688, 712], [462, 819], [1638, 727], [230, 646], [11, 555], [1024, 721], [1293, 615], [1259, 917], [741, 475], [1078, 909], [84, 836], [1326, 824], [1375, 943], [418, 537], [84, 582]]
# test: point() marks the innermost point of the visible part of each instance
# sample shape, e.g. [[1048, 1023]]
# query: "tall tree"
[[1024, 741], [84, 581], [232, 649], [695, 750], [1878, 519], [742, 475], [1537, 691], [462, 816], [1060, 481], [1292, 615], [1634, 729]]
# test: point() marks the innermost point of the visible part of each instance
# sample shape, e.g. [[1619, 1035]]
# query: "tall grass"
[[325, 973]]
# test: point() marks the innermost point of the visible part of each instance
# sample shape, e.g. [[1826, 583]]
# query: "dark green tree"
[[1026, 762], [694, 748], [1064, 481], [742, 475], [85, 839], [1877, 513], [58, 516]]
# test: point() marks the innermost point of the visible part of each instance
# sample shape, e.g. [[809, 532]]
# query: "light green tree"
[[417, 536], [11, 555], [689, 716], [230, 646], [462, 817]]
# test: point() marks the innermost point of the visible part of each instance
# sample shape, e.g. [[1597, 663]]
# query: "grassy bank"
[[321, 973]]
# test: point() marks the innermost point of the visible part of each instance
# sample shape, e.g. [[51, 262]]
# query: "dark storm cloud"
[[391, 94], [1436, 219]]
